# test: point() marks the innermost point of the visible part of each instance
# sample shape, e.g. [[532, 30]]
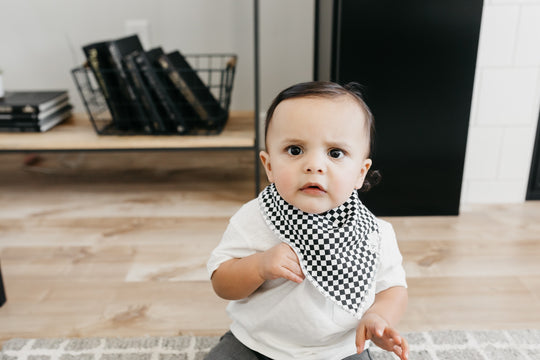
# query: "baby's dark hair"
[[327, 89]]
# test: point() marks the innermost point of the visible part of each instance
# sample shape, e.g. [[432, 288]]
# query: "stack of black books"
[[152, 92], [33, 111]]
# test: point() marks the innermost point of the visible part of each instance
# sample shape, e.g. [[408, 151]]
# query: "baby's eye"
[[294, 150], [336, 153]]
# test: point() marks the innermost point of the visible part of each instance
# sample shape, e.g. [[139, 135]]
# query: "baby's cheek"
[[285, 186]]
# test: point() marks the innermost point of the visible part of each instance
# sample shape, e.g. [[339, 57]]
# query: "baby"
[[312, 274]]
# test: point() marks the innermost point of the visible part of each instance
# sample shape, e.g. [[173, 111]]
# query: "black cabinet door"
[[533, 190], [2, 290], [417, 60]]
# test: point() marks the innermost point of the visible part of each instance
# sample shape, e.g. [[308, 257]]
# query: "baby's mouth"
[[312, 188]]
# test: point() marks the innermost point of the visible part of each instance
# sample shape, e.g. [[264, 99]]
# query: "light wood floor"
[[115, 244]]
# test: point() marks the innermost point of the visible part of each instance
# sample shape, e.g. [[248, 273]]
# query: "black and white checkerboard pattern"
[[335, 248]]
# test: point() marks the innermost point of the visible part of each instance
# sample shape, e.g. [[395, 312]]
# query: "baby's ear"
[[366, 165], [265, 159]]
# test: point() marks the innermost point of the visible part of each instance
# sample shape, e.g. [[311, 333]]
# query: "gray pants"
[[230, 348]]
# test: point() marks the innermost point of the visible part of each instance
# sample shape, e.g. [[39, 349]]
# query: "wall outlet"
[[141, 27]]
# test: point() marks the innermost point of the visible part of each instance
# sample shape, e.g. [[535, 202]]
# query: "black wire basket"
[[144, 110]]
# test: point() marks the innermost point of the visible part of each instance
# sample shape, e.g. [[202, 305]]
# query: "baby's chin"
[[320, 205], [314, 203], [315, 208]]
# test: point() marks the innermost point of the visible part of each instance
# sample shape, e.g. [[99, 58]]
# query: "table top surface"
[[77, 133]]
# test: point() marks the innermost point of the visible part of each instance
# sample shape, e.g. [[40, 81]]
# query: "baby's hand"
[[375, 328], [280, 261]]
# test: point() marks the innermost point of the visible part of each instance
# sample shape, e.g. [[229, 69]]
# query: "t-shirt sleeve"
[[233, 245], [391, 272], [246, 234]]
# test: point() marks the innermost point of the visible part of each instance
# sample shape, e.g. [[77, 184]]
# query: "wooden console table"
[[77, 134]]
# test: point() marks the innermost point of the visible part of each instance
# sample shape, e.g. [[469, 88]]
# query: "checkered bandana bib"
[[338, 250]]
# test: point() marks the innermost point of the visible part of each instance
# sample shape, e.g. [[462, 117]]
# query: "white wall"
[[506, 100], [286, 45], [41, 40]]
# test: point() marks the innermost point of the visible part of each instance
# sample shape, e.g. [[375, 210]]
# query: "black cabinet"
[[417, 61], [533, 190], [2, 290]]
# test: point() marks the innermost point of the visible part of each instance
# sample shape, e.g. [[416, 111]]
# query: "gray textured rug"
[[433, 345]]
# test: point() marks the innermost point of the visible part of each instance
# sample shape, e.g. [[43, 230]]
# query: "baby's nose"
[[315, 165]]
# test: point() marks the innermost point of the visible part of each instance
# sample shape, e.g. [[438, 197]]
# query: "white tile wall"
[[483, 152], [527, 44], [515, 153], [507, 96], [498, 43], [499, 2], [506, 102], [494, 191]]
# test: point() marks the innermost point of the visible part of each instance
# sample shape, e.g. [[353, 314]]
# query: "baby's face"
[[316, 151]]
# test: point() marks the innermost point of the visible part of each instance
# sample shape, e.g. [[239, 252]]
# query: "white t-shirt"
[[286, 320]]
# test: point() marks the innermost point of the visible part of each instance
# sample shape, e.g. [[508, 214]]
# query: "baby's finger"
[[360, 339], [292, 255], [295, 268], [398, 351], [377, 328], [405, 349], [393, 335], [402, 349], [289, 275]]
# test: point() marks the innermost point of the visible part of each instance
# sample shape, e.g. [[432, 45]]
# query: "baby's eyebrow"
[[329, 144], [338, 145], [292, 141]]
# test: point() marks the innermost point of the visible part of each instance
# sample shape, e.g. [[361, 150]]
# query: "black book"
[[189, 84], [154, 121], [105, 60], [119, 49], [30, 103], [179, 101], [100, 62], [174, 119], [35, 116], [36, 125]]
